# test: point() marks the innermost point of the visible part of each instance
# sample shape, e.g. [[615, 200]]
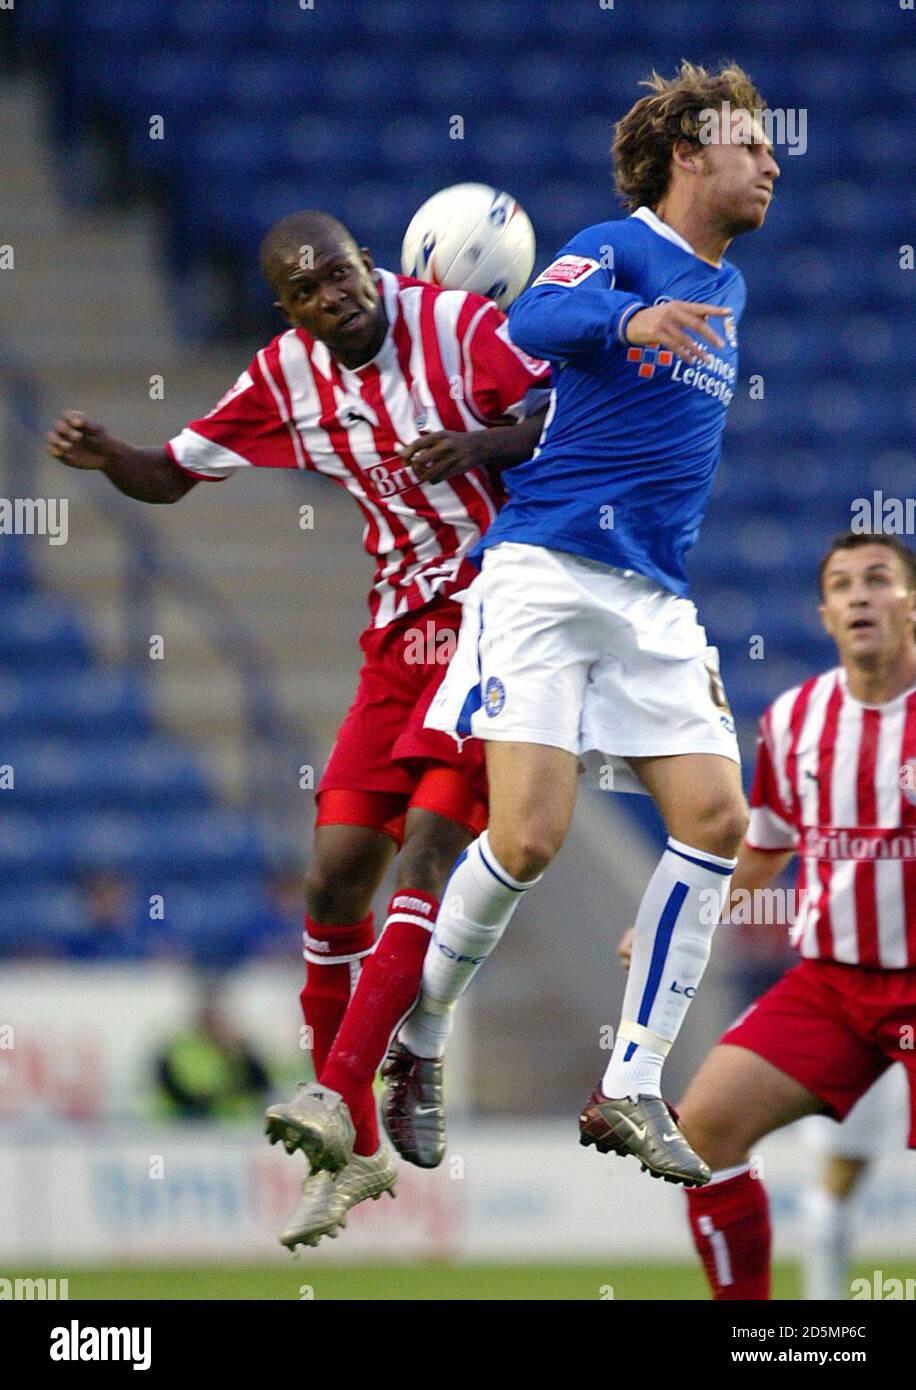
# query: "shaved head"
[[324, 282], [298, 239]]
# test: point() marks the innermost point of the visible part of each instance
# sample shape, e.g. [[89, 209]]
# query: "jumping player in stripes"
[[835, 784], [386, 386]]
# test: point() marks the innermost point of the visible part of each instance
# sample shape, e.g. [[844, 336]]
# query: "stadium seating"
[[99, 790], [269, 107]]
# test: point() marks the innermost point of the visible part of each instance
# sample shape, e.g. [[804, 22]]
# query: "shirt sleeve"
[[581, 302], [770, 826], [243, 430], [501, 379]]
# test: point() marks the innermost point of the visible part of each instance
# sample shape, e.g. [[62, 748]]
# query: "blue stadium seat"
[[92, 704], [214, 924], [263, 85], [314, 140], [286, 28], [541, 79], [401, 24], [491, 28], [116, 25], [753, 685], [896, 79], [150, 771], [174, 84], [416, 141], [44, 21], [852, 20], [454, 83], [39, 630], [210, 25], [195, 844], [15, 574], [33, 917], [881, 145]]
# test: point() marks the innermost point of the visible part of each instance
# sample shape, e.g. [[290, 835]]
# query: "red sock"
[[730, 1221], [389, 982], [332, 956]]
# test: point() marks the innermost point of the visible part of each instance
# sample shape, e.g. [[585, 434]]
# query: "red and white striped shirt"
[[836, 781], [446, 363]]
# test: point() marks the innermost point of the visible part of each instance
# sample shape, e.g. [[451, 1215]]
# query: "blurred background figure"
[[113, 925], [209, 1071], [843, 1156], [274, 932]]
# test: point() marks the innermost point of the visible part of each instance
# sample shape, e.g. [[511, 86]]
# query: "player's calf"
[[672, 938]]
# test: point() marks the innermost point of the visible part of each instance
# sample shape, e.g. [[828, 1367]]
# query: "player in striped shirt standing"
[[386, 386], [835, 784]]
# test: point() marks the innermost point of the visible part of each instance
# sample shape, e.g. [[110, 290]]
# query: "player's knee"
[[713, 1133], [426, 861], [336, 893], [720, 826], [528, 851]]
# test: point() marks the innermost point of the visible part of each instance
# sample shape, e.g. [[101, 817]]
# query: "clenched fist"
[[79, 443]]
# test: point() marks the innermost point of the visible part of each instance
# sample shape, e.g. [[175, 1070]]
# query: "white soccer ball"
[[471, 237]]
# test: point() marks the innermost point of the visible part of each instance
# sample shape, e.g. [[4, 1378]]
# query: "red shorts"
[[835, 1029], [383, 761]]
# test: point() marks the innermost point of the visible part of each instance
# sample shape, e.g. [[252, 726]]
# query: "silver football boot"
[[647, 1128], [328, 1197], [318, 1122]]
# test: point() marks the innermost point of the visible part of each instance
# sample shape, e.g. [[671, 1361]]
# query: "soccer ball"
[[471, 237]]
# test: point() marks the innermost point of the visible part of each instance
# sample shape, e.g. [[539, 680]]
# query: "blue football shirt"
[[632, 438]]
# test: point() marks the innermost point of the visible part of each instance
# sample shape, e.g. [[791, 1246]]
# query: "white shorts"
[[571, 653]]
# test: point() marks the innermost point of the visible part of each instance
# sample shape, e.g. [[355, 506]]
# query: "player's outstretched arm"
[[557, 322], [757, 868], [434, 457], [149, 475]]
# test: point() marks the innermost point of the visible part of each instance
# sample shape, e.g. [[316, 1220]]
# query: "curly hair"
[[645, 137]]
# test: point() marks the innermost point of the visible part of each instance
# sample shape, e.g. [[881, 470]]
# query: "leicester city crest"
[[494, 697]]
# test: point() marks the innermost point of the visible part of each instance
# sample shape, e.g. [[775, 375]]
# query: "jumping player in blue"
[[578, 633]]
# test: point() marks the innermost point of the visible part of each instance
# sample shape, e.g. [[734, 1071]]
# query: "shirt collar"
[[662, 229], [843, 676]]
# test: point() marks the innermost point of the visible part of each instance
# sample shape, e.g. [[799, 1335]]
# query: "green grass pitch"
[[436, 1282]]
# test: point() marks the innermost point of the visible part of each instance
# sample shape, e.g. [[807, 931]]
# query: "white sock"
[[673, 936], [825, 1261], [477, 905], [724, 1174]]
